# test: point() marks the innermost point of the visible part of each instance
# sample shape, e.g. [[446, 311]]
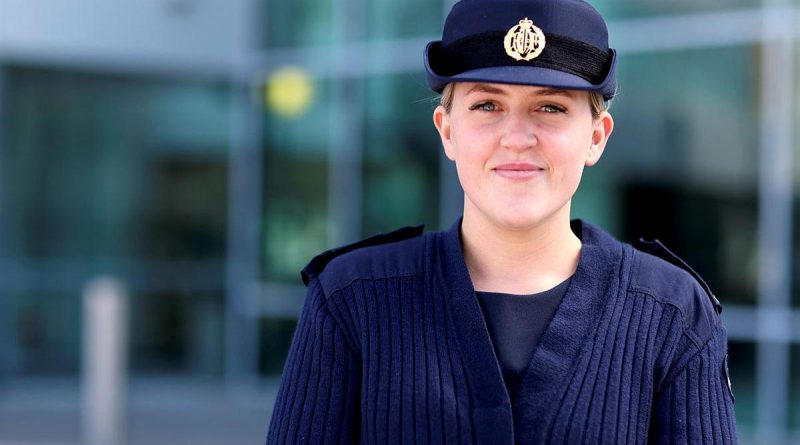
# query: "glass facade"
[[112, 175], [128, 173]]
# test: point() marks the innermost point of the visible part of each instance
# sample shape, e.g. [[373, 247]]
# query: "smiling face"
[[520, 150]]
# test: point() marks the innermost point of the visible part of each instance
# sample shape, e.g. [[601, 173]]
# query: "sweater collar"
[[596, 280]]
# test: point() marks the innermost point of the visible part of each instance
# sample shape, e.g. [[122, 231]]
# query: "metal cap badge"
[[575, 56], [524, 41]]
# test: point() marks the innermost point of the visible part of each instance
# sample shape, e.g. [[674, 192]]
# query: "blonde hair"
[[596, 101]]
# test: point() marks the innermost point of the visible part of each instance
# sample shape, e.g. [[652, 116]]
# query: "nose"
[[519, 132]]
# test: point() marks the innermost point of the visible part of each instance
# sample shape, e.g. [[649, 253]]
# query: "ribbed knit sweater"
[[391, 347]]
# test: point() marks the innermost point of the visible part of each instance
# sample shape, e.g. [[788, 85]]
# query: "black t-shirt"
[[516, 324]]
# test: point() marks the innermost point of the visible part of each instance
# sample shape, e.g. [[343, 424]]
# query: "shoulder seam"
[[326, 305], [685, 329], [638, 255], [658, 250], [330, 292]]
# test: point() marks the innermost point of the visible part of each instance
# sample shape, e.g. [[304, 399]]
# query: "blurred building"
[[165, 143]]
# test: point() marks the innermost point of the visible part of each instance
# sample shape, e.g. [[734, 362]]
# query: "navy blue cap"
[[555, 43]]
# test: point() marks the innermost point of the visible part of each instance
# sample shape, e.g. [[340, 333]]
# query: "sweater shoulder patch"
[[658, 249], [321, 261], [662, 274]]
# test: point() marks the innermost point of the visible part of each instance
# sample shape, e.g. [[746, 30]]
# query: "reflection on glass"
[[401, 155]]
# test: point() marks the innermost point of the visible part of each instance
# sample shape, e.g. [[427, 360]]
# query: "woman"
[[516, 325]]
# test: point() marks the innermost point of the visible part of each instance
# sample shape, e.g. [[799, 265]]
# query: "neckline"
[[595, 280], [555, 288]]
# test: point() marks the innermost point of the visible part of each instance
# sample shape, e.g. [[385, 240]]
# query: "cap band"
[[561, 53]]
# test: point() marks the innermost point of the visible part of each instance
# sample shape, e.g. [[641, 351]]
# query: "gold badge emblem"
[[524, 41]]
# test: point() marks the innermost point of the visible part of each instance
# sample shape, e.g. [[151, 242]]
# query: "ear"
[[603, 126], [441, 120]]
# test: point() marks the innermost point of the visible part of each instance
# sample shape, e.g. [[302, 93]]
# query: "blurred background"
[[169, 166]]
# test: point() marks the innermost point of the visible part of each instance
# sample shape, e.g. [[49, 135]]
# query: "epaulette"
[[318, 263], [657, 248]]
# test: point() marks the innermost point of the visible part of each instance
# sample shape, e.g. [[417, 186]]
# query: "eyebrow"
[[486, 88], [554, 92]]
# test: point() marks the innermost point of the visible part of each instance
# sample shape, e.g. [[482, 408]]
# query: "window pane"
[[401, 155]]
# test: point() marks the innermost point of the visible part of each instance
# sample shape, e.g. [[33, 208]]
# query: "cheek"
[[471, 156], [568, 158], [471, 148]]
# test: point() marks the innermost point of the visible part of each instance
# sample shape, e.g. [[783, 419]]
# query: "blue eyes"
[[553, 109], [485, 106], [490, 107]]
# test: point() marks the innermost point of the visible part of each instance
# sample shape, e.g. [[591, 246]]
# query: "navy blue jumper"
[[391, 347]]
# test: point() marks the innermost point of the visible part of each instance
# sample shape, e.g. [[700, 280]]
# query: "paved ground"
[[160, 411]]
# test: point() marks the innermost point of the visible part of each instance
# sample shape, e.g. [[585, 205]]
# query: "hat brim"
[[518, 75]]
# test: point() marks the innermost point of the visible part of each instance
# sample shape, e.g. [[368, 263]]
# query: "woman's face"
[[520, 150]]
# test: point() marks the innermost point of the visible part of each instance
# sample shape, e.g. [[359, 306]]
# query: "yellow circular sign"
[[524, 41], [289, 91]]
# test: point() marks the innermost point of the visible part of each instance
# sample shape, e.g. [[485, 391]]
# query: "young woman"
[[517, 325]]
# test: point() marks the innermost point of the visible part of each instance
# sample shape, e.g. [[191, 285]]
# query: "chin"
[[514, 214]]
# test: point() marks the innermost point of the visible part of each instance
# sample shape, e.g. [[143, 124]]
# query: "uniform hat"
[[555, 43]]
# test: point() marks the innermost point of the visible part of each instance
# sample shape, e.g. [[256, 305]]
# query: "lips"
[[518, 170]]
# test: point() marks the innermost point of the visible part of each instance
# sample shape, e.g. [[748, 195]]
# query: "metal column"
[[775, 222], [8, 342], [244, 218], [245, 196]]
